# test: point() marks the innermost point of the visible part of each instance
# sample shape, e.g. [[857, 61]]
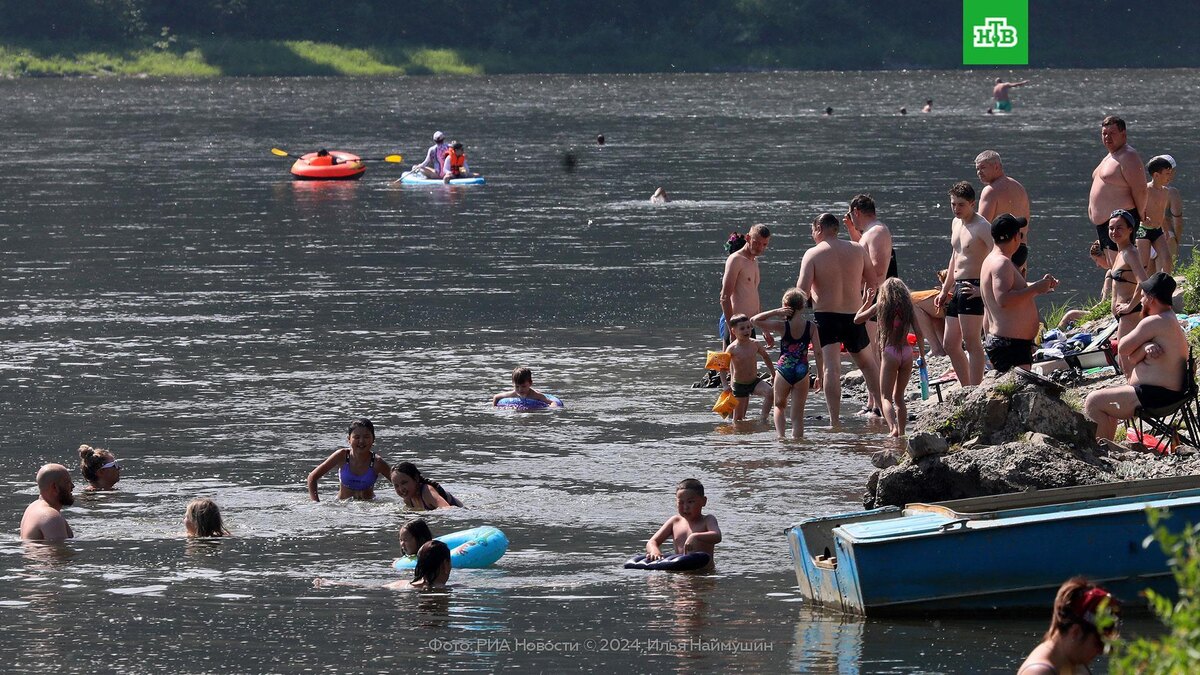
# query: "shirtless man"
[[43, 520], [1012, 316], [833, 273], [1158, 350], [1000, 93], [971, 241], [1174, 216], [1118, 182], [1002, 194], [739, 285], [866, 229]]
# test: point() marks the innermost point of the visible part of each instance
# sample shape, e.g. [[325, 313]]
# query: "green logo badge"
[[995, 32]]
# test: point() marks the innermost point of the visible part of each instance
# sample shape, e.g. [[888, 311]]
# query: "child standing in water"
[[690, 530], [894, 309], [522, 379], [743, 368], [359, 468], [792, 370]]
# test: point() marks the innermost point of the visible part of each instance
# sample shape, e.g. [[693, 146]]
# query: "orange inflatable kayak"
[[348, 167]]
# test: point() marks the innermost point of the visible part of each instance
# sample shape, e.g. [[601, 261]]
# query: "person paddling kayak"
[[432, 166]]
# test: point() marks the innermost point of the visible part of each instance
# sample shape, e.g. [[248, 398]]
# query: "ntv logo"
[[995, 32]]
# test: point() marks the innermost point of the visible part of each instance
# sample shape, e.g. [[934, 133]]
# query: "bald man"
[[43, 520]]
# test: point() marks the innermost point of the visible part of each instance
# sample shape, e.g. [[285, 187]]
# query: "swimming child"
[[359, 467], [203, 519], [1155, 223], [894, 309], [99, 468], [522, 379], [743, 369], [689, 530], [432, 570], [419, 492], [413, 535], [792, 370]]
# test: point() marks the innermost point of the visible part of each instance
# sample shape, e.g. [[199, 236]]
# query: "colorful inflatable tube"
[[349, 167], [477, 547], [529, 403], [680, 562]]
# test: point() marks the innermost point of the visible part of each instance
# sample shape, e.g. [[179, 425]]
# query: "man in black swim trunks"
[[1158, 350], [864, 227], [970, 241], [1118, 182], [1012, 316]]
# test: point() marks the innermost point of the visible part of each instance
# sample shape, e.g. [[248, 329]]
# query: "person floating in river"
[[418, 492], [358, 467], [203, 519], [522, 379], [99, 468], [689, 529]]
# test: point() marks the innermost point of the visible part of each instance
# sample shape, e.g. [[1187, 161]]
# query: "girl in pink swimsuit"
[[894, 310]]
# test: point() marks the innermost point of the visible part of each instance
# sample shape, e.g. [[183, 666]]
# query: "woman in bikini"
[[792, 370], [418, 492], [358, 467], [1126, 273]]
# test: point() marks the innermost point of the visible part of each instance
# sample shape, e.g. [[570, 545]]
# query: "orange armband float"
[[725, 403], [717, 361]]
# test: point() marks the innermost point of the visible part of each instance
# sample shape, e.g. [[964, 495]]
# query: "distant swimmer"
[[1118, 182], [659, 197], [522, 379], [971, 242], [599, 139], [928, 106], [1000, 93], [202, 518], [1002, 194], [1157, 220], [43, 519], [829, 112], [904, 111]]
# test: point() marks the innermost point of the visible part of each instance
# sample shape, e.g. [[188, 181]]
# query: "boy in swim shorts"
[[743, 368], [522, 378], [1150, 233], [689, 530]]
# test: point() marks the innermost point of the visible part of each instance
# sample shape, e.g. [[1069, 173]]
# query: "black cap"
[[1160, 286], [1006, 226]]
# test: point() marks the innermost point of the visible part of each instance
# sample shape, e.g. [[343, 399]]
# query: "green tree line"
[[642, 35]]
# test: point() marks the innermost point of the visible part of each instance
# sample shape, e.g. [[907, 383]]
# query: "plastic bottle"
[[921, 369]]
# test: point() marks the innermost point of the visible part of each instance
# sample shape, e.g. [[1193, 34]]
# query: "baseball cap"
[[1006, 226], [1160, 286], [438, 136]]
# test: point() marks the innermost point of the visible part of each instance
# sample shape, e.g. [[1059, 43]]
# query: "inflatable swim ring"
[[410, 178], [529, 403], [474, 548], [680, 562], [349, 167]]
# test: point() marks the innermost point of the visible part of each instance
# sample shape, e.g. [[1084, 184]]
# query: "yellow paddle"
[[394, 159]]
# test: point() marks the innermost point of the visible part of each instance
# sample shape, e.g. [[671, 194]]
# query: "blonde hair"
[[894, 311], [795, 298], [205, 518]]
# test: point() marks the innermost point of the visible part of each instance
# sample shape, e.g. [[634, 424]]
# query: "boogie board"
[[680, 562], [410, 178]]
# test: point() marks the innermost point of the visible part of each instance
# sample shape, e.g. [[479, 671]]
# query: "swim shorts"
[[1150, 234], [744, 389], [1102, 231], [838, 327], [1152, 396], [1004, 106], [1006, 353], [961, 304]]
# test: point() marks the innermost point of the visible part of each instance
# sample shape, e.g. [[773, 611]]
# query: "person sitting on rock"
[[1157, 350]]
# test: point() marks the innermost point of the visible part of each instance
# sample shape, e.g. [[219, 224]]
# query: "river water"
[[168, 292]]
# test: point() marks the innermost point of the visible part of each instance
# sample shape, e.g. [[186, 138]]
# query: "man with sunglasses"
[[43, 519]]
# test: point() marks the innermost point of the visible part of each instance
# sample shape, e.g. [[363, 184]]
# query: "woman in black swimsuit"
[[419, 492], [1126, 273]]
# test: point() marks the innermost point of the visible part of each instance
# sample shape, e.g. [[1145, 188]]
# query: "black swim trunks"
[[743, 389], [837, 327], [1006, 353], [1150, 234], [893, 269], [1102, 231], [1152, 397], [961, 304]]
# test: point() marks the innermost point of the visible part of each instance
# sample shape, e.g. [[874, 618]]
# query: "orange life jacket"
[[321, 160], [457, 161]]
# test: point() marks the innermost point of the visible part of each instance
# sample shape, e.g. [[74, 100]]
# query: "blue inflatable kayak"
[[529, 403], [410, 178], [680, 562], [476, 547]]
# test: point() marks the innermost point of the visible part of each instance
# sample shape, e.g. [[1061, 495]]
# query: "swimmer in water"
[[522, 379], [418, 492], [203, 519], [928, 106], [689, 530], [413, 535], [99, 468], [432, 571], [358, 466], [659, 197]]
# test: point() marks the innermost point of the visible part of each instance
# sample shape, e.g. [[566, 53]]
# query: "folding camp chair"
[[1177, 423]]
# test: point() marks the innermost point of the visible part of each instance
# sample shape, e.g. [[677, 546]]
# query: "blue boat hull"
[[889, 561]]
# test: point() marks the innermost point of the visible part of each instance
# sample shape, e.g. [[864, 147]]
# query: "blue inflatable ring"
[[529, 403], [680, 562], [477, 547]]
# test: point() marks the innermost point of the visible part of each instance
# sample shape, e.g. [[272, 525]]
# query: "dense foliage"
[[584, 35]]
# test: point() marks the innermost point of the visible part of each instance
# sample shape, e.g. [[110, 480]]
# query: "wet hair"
[[361, 423], [735, 242], [828, 111], [1157, 164], [521, 375], [738, 318], [90, 461], [1113, 119], [1072, 606], [409, 469], [795, 298], [204, 515], [827, 221], [430, 558], [963, 190], [864, 203], [759, 231], [895, 313], [419, 529], [987, 157], [1095, 251], [692, 485]]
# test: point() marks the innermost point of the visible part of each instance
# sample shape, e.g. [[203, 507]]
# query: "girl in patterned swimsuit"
[[792, 370], [894, 309]]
